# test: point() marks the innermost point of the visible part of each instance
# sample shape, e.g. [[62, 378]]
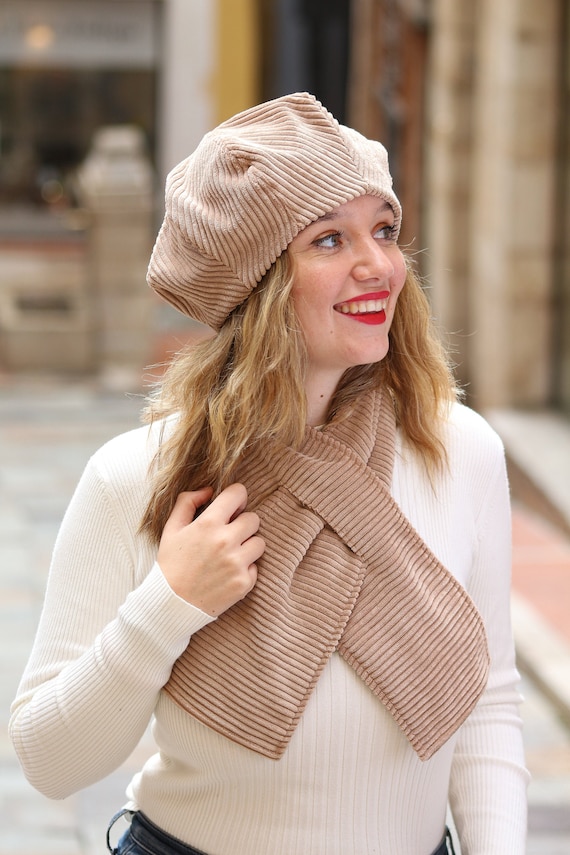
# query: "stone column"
[[116, 186], [449, 130], [513, 202]]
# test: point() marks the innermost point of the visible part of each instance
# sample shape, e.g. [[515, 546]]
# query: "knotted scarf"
[[343, 569]]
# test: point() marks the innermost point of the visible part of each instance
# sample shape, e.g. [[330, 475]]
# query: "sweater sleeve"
[[111, 628], [489, 779]]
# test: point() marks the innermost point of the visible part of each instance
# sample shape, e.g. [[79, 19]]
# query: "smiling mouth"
[[367, 308], [362, 307]]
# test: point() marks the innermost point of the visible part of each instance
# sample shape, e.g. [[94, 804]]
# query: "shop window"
[[68, 67]]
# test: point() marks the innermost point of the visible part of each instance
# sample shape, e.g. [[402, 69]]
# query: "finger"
[[252, 570], [186, 505], [230, 503], [244, 526], [252, 550]]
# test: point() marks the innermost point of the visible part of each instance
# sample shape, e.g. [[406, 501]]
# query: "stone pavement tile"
[[32, 824], [548, 844], [547, 748], [542, 654], [541, 603], [47, 432], [538, 451], [541, 567]]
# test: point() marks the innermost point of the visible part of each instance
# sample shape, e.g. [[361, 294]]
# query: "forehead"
[[368, 205]]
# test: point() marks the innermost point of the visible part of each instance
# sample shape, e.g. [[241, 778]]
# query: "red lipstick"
[[366, 308]]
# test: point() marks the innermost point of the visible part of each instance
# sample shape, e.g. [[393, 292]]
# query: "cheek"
[[310, 298], [301, 305], [399, 277]]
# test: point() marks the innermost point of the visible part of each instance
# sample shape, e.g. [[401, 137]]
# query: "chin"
[[374, 356]]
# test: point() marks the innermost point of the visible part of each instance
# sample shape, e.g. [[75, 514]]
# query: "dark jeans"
[[442, 848], [143, 837]]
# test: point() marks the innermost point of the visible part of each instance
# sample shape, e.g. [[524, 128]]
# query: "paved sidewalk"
[[538, 454], [47, 431], [541, 605]]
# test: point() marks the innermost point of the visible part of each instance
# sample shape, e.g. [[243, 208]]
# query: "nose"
[[372, 260]]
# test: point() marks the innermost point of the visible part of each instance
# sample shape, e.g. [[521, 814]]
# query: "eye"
[[385, 232], [329, 241]]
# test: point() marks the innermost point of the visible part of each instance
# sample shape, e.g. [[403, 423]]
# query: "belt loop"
[[116, 818], [449, 840]]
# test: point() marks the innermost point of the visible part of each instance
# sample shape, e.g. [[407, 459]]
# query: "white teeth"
[[361, 307]]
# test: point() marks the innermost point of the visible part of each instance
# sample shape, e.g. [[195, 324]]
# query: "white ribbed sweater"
[[349, 783]]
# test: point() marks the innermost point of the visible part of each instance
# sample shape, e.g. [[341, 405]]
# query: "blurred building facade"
[[471, 100], [158, 72]]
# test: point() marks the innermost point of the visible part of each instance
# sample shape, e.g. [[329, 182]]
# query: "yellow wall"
[[236, 80]]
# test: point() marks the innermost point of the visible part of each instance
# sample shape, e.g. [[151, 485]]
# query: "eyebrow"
[[333, 215]]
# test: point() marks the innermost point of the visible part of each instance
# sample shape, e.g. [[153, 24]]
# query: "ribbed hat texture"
[[250, 187]]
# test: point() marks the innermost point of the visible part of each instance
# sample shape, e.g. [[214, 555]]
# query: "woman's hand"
[[210, 561]]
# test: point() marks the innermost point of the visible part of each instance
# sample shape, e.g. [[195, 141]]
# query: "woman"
[[301, 569]]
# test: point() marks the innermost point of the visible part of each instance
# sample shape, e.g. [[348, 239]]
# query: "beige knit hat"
[[250, 187]]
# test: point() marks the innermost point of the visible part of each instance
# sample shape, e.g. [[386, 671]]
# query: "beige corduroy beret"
[[249, 188]]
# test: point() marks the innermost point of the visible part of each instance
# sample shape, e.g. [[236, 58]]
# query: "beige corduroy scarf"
[[344, 570]]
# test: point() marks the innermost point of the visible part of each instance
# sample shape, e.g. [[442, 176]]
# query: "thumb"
[[186, 505]]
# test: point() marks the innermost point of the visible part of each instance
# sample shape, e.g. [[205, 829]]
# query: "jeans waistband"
[[146, 838], [154, 841]]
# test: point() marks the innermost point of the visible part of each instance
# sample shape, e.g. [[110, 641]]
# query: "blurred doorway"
[[366, 61], [305, 45]]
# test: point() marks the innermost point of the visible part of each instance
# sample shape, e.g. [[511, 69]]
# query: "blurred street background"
[[99, 99]]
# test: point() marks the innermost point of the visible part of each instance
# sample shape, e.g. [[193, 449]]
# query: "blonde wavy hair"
[[245, 385]]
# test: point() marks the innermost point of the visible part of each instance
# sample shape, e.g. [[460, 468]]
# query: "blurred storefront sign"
[[76, 34]]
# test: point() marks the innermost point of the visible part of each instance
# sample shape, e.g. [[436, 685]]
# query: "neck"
[[319, 391]]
